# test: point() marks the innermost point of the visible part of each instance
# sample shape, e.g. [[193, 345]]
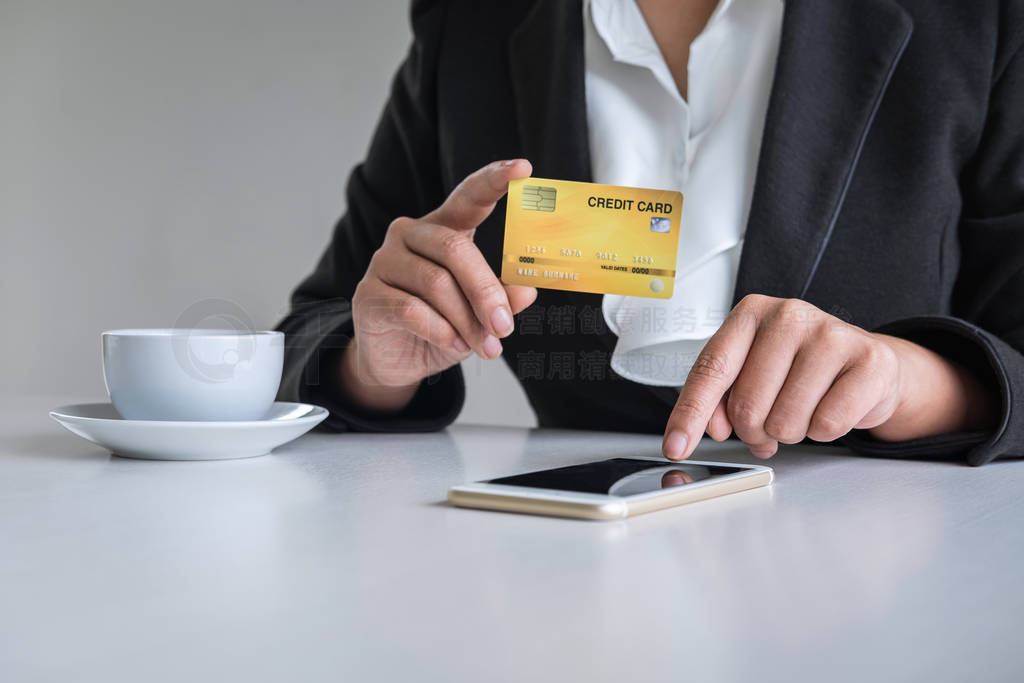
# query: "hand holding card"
[[429, 297]]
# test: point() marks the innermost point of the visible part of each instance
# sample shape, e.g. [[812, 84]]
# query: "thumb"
[[520, 297], [474, 198]]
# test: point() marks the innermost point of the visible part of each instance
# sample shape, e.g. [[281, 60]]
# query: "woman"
[[854, 181]]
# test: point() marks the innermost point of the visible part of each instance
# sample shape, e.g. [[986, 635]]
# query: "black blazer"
[[889, 192]]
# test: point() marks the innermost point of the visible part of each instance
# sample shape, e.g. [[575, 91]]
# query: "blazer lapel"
[[835, 62], [546, 60]]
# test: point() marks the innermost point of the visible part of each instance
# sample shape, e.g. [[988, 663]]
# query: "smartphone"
[[611, 489]]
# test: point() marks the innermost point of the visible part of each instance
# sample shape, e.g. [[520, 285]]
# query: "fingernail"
[[502, 320], [460, 345], [508, 162], [675, 445], [492, 347]]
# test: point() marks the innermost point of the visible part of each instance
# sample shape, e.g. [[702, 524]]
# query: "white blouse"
[[643, 133]]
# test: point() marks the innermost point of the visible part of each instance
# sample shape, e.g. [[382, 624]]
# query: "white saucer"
[[159, 440]]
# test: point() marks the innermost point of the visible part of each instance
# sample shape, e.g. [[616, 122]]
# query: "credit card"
[[585, 237]]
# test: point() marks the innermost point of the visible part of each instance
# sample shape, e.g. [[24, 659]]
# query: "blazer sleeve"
[[400, 176], [986, 331]]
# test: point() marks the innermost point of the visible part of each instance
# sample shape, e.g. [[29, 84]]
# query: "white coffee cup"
[[192, 375]]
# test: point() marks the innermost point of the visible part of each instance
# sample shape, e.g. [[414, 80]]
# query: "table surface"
[[335, 558]]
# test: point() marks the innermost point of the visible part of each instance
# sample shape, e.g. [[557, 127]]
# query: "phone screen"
[[618, 476]]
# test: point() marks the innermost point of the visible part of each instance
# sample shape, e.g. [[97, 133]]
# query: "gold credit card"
[[584, 237]]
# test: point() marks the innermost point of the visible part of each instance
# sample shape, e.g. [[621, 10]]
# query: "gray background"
[[157, 154]]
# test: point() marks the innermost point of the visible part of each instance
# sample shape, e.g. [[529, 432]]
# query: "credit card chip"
[[538, 198]]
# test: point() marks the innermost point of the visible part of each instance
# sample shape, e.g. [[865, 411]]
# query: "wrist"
[[365, 393], [935, 396]]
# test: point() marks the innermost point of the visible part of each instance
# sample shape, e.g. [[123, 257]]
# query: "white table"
[[335, 559]]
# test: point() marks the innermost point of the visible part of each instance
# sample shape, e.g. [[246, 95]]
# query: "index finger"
[[474, 198], [714, 371]]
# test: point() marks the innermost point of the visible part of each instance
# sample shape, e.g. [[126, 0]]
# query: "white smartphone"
[[611, 489]]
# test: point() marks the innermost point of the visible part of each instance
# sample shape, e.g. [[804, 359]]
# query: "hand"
[[429, 299], [780, 370]]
